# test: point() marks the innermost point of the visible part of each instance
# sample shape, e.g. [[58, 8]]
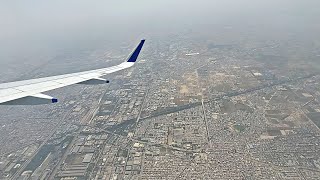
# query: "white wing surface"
[[29, 92]]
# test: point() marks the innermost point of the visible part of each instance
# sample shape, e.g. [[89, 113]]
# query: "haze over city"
[[221, 90]]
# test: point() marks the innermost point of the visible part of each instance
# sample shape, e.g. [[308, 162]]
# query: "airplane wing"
[[29, 92]]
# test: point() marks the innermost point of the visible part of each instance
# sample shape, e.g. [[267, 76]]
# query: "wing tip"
[[136, 52]]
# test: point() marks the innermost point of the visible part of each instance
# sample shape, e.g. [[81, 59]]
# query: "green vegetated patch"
[[273, 111], [273, 120], [239, 128], [39, 157], [274, 132], [45, 150], [274, 60], [277, 116], [228, 107], [315, 117], [123, 128], [314, 63], [212, 46], [243, 107], [122, 153]]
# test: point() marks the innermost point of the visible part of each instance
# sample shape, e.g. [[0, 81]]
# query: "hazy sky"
[[59, 18], [34, 25]]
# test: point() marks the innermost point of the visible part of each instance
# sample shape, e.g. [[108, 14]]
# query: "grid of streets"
[[187, 110]]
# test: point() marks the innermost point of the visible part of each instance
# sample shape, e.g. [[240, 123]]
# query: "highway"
[[85, 120], [118, 128], [24, 165]]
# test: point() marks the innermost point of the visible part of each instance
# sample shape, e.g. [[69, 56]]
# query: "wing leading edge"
[[30, 91]]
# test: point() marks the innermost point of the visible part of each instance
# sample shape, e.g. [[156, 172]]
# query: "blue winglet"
[[136, 52]]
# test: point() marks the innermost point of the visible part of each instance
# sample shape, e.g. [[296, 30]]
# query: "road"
[[87, 118], [24, 165], [229, 94]]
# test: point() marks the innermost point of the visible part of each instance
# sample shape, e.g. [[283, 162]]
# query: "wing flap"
[[94, 81], [69, 80]]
